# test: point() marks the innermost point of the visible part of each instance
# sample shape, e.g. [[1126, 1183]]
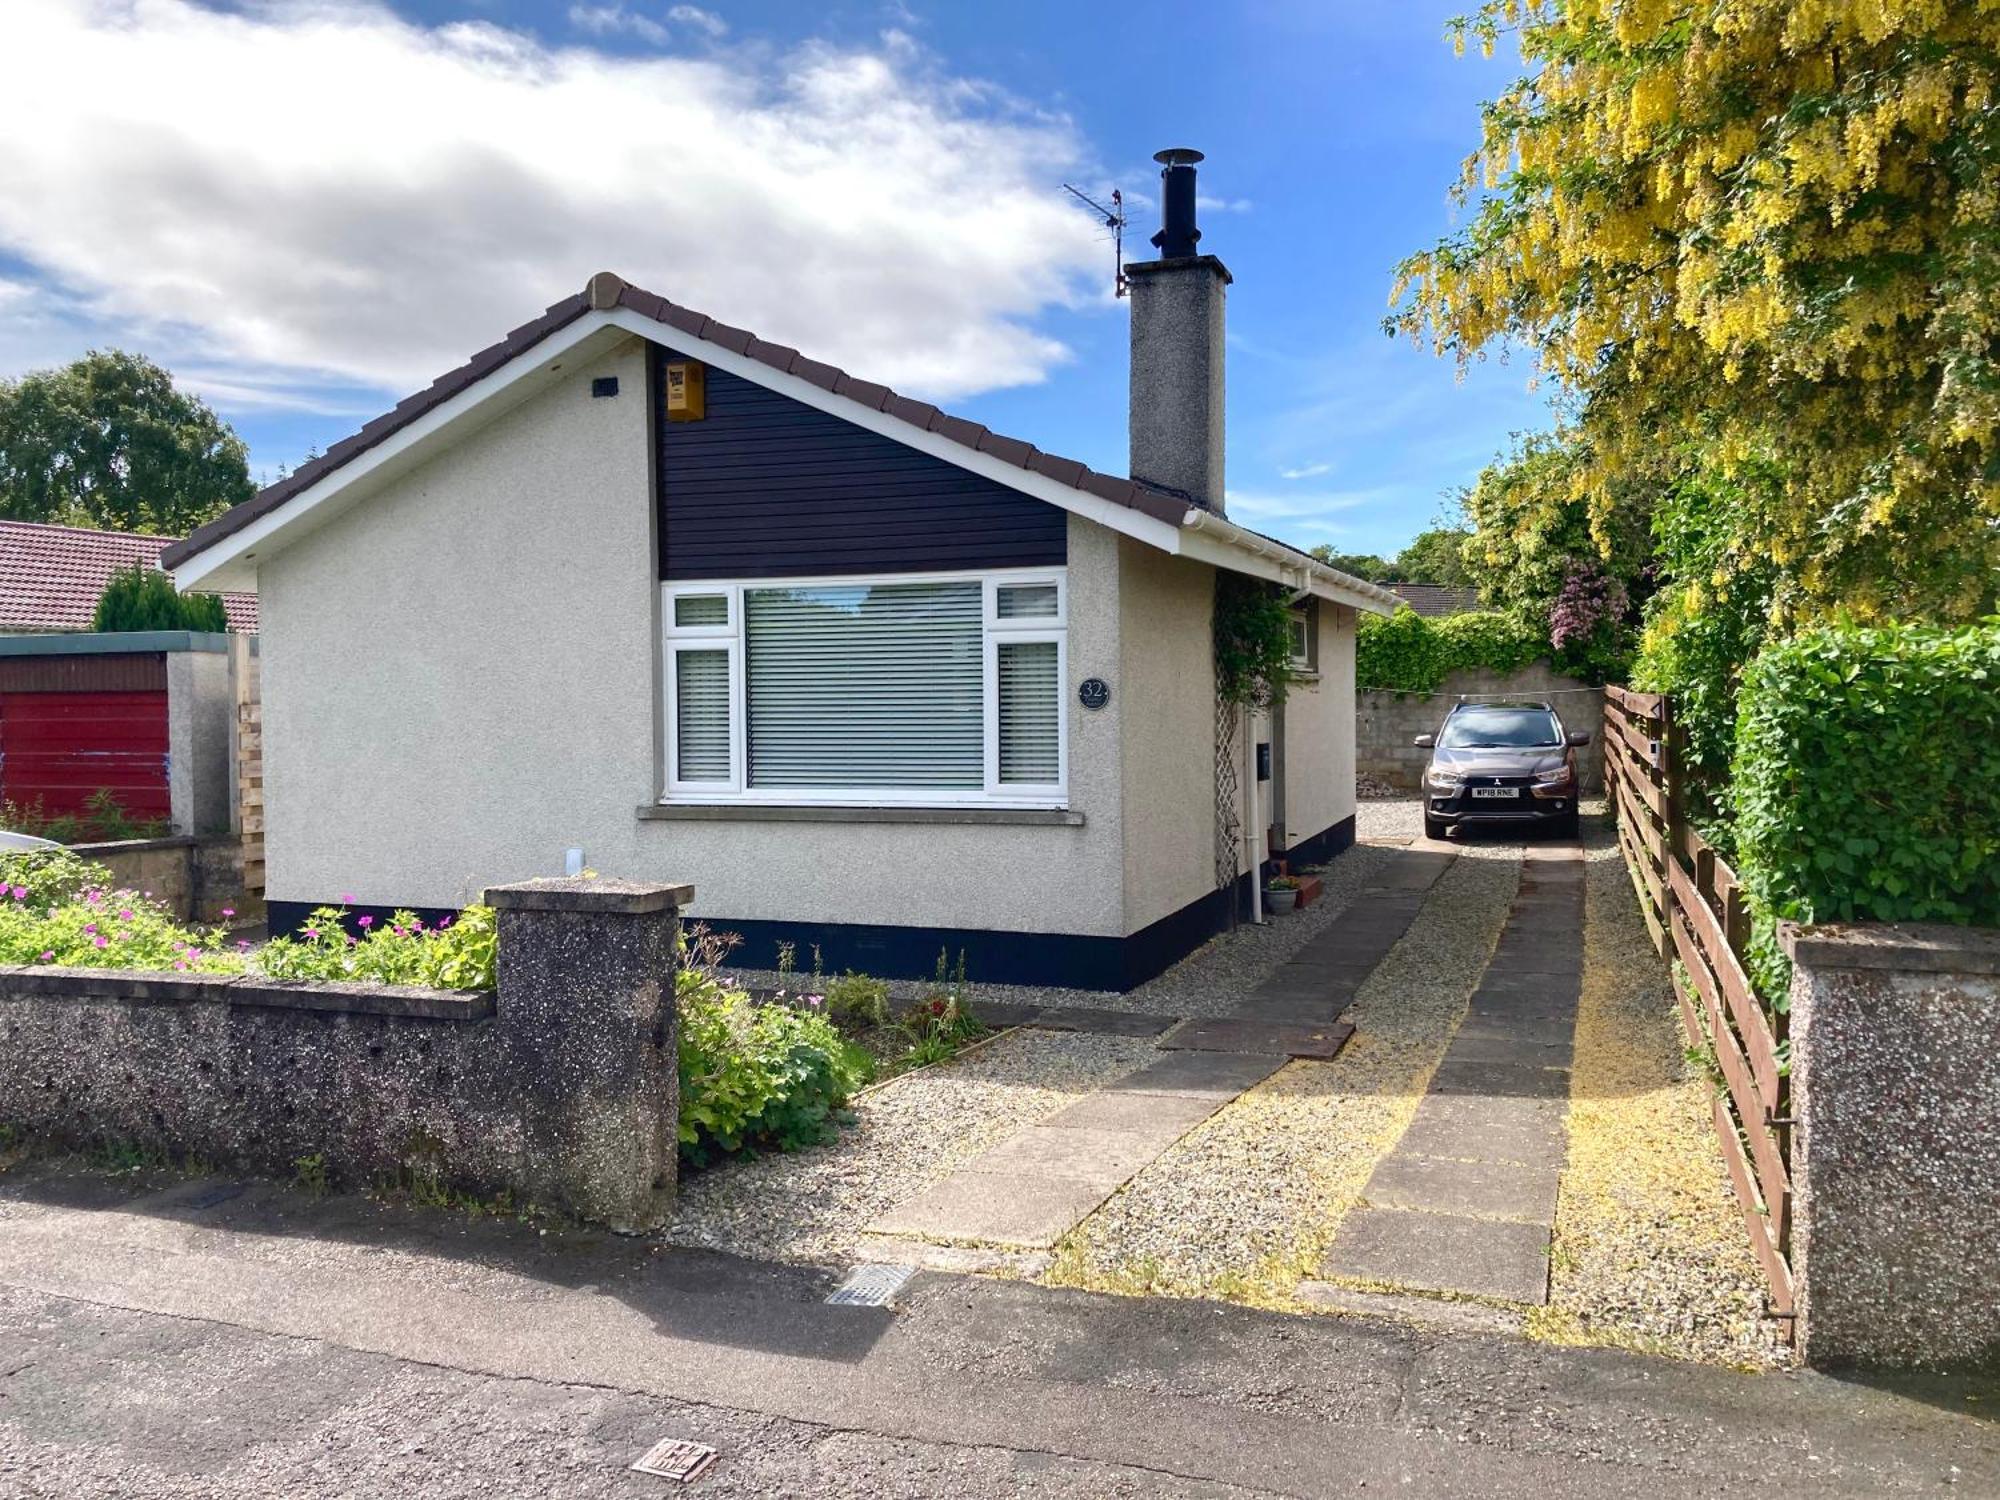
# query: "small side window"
[[692, 611]]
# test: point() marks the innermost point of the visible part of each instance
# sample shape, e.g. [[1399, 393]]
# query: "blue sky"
[[307, 209]]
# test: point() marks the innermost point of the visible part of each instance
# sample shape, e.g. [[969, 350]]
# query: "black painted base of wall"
[[1073, 960]]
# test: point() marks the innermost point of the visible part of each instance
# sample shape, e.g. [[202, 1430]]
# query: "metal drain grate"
[[870, 1286], [677, 1458]]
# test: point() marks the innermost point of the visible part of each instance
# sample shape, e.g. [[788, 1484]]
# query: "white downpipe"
[[1253, 838]]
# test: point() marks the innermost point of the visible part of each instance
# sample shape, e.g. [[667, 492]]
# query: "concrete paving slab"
[[1220, 1076], [1315, 1012], [1466, 1127], [1444, 1253], [1103, 1157], [1310, 982], [1096, 1019], [1544, 1052], [1126, 1112], [1248, 1034], [1500, 1080], [1457, 1317], [974, 1207], [1556, 1030], [1476, 1189], [1521, 982], [1522, 960]]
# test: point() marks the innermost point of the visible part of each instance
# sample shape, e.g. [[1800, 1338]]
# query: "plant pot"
[[1280, 901]]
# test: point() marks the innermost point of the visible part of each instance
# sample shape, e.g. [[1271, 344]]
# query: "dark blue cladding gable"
[[768, 487]]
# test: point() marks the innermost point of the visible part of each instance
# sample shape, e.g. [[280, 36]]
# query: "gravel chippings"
[[1245, 1204], [1650, 1249], [919, 1129]]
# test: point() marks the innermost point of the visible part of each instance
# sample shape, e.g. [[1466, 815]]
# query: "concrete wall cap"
[[1913, 947], [584, 894]]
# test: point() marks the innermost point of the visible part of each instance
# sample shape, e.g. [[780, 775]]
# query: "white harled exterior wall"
[[460, 682], [1319, 733]]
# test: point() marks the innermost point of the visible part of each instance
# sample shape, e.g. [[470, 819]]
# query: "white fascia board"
[[229, 565], [1258, 559], [1164, 535]]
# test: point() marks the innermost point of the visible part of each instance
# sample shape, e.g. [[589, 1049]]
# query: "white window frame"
[[731, 636]]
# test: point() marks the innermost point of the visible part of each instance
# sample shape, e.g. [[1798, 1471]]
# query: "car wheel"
[[1435, 828]]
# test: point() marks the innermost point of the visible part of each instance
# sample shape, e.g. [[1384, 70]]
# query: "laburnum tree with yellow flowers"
[[1757, 244]]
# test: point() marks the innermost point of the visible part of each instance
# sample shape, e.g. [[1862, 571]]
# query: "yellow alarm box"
[[686, 398]]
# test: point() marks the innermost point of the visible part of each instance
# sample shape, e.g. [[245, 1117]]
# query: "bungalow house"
[[635, 589]]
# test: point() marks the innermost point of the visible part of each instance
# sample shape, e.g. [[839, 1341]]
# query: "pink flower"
[[89, 928], [346, 896], [20, 893], [814, 1001], [244, 944], [125, 916], [229, 911], [101, 941], [181, 967], [312, 932], [364, 922], [48, 955]]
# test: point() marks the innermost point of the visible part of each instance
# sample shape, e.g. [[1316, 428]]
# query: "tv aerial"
[[1114, 220]]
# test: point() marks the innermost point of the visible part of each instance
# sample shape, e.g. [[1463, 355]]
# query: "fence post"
[[586, 1007]]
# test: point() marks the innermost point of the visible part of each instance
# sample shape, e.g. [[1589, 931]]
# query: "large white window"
[[915, 689]]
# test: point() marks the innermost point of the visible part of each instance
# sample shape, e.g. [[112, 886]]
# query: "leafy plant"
[[756, 1077], [48, 877], [1253, 640], [143, 598], [103, 929], [1407, 653], [856, 1000], [1867, 775], [459, 953], [104, 818]]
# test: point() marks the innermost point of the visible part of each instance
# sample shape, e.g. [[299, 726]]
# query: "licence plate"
[[1495, 791]]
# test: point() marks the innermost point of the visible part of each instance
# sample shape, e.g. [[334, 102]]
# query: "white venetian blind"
[[701, 715], [865, 686], [1030, 711]]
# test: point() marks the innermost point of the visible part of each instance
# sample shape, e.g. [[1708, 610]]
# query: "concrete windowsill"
[[764, 812]]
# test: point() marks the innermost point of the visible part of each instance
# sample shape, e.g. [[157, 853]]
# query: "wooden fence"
[[1693, 906]]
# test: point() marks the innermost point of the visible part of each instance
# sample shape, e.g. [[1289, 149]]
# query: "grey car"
[[1511, 762]]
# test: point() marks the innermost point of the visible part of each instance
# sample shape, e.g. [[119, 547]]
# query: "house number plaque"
[[1094, 693]]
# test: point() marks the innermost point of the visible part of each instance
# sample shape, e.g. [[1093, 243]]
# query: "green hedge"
[[1407, 653], [1867, 775]]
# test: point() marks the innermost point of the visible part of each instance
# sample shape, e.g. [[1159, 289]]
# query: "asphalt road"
[[160, 1343]]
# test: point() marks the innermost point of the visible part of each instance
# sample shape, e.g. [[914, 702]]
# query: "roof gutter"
[[1293, 567]]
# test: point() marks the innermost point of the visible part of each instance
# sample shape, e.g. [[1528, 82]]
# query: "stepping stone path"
[[1466, 1203], [1033, 1188]]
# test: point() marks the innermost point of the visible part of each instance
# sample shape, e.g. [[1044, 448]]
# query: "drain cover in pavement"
[[870, 1286], [677, 1458]]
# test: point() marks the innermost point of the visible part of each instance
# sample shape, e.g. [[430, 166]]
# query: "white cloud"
[[613, 20], [320, 191], [1300, 518], [1305, 471], [707, 22]]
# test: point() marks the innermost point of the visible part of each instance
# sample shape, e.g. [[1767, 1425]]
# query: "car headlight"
[[1443, 781], [1558, 777]]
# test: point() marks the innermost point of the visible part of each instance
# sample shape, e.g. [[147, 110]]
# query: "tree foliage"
[[110, 442], [1764, 233], [143, 598], [1407, 653], [1435, 556]]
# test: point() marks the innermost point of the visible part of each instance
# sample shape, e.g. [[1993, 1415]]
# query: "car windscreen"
[[1500, 728]]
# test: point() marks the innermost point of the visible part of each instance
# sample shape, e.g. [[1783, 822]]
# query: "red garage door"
[[60, 748]]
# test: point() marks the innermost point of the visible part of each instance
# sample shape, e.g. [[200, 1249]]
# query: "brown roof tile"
[[51, 576]]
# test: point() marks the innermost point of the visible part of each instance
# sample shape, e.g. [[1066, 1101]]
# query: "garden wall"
[[195, 878], [1896, 1151], [560, 1090], [1385, 723]]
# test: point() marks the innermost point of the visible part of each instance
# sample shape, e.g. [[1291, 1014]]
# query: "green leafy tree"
[[110, 442], [1766, 232], [1365, 565], [144, 598], [1435, 556]]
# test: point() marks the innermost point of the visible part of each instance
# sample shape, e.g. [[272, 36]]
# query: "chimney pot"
[[1178, 234]]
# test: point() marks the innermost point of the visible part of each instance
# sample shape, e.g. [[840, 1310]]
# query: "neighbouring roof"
[[607, 294], [51, 576], [1434, 599]]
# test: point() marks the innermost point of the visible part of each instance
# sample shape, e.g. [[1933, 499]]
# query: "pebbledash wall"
[[1896, 1146], [1385, 723], [561, 1089], [461, 679]]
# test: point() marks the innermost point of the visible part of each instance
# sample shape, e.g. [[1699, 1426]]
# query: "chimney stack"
[[1177, 325]]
